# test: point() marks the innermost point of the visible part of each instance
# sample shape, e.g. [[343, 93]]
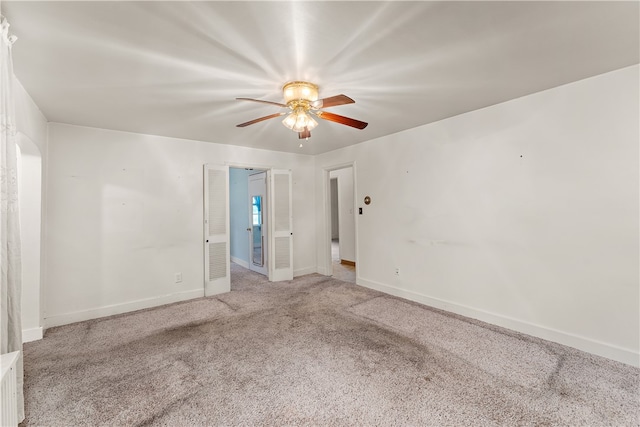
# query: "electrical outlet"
[[178, 277], [397, 271]]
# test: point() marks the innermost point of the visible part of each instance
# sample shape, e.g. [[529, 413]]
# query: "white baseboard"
[[325, 271], [589, 345], [32, 334], [304, 271], [109, 310], [240, 262]]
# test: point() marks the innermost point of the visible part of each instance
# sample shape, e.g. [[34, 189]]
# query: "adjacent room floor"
[[343, 272]]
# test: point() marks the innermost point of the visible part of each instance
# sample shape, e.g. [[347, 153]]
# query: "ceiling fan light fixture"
[[301, 98]]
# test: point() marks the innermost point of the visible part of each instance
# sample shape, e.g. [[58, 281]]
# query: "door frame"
[[33, 289], [327, 267], [258, 167]]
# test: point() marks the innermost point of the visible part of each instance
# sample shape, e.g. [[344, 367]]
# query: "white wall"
[[31, 125], [125, 210], [29, 119], [523, 214], [347, 231]]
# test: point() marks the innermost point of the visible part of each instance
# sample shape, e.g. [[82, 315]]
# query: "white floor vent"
[[8, 398]]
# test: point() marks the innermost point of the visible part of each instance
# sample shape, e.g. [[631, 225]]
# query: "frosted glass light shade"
[[300, 90], [299, 120], [290, 120], [311, 123]]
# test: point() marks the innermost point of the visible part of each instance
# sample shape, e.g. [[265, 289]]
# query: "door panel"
[[216, 230], [281, 225]]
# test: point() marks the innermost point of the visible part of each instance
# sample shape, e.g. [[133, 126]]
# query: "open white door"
[[217, 275], [281, 226]]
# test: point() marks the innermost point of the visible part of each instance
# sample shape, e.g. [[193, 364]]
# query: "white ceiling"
[[175, 68]]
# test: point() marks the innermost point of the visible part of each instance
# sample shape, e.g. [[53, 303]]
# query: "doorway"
[[248, 203], [342, 224], [30, 208], [217, 254], [223, 192]]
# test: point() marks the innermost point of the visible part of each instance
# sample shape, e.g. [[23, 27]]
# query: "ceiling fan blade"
[[261, 119], [306, 133], [342, 120], [263, 102], [332, 101]]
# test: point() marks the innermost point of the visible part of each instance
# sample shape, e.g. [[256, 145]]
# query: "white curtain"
[[10, 323]]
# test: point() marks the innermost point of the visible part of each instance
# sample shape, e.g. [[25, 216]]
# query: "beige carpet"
[[315, 351]]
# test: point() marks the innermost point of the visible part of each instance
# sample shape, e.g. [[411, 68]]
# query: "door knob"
[[248, 229]]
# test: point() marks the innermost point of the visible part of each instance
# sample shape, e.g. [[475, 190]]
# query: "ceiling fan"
[[301, 98]]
